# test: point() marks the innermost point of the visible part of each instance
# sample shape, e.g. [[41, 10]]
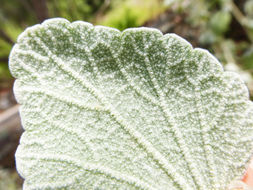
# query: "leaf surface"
[[104, 109]]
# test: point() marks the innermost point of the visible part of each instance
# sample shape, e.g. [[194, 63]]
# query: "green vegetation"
[[132, 13]]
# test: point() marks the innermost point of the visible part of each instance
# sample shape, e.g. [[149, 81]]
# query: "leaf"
[[220, 22], [103, 109]]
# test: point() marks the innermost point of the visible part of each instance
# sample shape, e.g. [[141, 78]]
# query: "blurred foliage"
[[220, 21], [9, 180], [74, 9], [132, 13]]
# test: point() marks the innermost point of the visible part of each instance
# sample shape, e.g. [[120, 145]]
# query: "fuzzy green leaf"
[[104, 109]]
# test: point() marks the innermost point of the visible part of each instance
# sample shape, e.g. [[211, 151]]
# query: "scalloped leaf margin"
[[104, 109]]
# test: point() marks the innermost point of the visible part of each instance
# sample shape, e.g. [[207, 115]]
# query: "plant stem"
[[5, 37], [240, 18]]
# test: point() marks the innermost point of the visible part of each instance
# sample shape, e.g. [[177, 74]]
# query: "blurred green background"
[[224, 27]]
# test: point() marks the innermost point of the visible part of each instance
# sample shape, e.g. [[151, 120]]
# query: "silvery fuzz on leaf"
[[104, 109]]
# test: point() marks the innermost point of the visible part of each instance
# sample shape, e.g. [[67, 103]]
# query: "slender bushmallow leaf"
[[104, 109]]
